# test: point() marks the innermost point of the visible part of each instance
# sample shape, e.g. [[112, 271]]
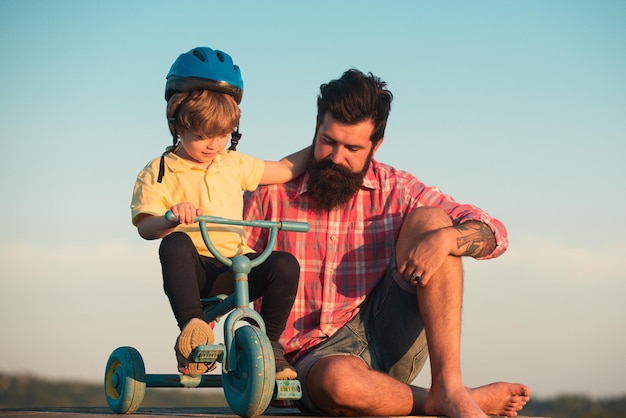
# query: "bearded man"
[[381, 277]]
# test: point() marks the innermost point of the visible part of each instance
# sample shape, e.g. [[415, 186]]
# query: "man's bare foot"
[[501, 398], [452, 402]]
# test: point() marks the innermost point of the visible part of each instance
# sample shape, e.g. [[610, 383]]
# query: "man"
[[381, 273]]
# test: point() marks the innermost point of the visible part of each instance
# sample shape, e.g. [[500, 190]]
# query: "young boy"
[[198, 176]]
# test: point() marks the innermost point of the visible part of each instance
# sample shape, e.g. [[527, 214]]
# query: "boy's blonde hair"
[[206, 112]]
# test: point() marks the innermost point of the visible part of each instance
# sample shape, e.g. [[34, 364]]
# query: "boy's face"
[[201, 150]]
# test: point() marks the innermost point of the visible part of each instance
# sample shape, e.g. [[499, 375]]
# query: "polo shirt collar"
[[177, 164]]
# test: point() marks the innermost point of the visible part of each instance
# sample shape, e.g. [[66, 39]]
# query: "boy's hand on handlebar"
[[186, 212]]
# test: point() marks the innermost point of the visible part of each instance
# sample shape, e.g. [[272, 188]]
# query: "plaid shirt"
[[347, 250]]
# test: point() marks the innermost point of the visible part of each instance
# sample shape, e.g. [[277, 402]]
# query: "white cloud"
[[549, 256], [64, 264]]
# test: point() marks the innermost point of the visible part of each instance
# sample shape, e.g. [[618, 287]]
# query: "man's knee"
[[426, 218], [420, 221], [327, 383]]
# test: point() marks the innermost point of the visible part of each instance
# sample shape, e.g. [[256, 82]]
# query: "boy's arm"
[[286, 169], [155, 227]]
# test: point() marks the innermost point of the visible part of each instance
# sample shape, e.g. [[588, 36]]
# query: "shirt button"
[[333, 237]]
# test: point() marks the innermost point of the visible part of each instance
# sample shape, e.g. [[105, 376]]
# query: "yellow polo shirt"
[[218, 191]]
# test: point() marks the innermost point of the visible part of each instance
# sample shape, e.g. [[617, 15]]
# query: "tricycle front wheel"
[[250, 385]]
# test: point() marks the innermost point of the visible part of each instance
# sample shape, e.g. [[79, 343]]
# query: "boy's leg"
[[276, 281], [184, 274]]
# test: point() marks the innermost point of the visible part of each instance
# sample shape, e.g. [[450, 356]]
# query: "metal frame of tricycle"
[[248, 391]]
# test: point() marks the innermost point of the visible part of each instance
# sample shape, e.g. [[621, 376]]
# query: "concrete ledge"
[[90, 412]]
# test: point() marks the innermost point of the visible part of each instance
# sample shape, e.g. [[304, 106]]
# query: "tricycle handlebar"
[[282, 225]]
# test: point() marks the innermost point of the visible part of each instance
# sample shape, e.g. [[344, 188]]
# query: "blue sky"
[[518, 107]]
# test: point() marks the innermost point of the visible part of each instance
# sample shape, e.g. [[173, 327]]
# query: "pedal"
[[208, 353], [287, 390]]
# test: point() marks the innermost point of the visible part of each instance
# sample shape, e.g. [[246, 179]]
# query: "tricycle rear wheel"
[[125, 380]]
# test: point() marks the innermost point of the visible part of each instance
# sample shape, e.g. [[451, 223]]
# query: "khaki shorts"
[[387, 334]]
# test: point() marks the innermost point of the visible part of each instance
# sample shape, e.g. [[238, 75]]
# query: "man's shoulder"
[[273, 194], [387, 173], [290, 187], [271, 200]]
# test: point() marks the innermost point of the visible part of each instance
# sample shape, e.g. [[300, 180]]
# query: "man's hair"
[[207, 112], [354, 98]]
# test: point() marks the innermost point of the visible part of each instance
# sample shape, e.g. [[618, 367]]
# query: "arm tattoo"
[[477, 238]]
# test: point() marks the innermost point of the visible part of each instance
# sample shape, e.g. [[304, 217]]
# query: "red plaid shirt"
[[347, 250]]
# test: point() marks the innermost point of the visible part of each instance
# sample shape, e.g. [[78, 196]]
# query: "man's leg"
[[345, 385], [364, 369], [440, 303]]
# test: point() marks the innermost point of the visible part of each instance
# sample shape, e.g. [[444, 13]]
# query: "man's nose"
[[337, 156]]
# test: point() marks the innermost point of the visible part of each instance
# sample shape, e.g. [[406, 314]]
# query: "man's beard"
[[331, 185]]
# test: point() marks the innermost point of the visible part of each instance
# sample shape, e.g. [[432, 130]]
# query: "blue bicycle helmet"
[[201, 68], [204, 68]]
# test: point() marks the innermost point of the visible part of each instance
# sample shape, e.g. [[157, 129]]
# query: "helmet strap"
[[172, 122], [161, 168], [234, 139]]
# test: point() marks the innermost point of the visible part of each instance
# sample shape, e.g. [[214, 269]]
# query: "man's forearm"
[[475, 239]]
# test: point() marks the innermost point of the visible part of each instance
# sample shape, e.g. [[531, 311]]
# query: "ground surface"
[[142, 413]]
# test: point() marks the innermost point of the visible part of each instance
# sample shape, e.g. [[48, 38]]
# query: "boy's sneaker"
[[196, 332], [284, 370]]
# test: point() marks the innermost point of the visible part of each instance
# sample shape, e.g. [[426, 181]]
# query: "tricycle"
[[246, 356]]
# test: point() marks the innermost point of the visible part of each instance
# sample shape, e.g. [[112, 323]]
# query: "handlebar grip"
[[294, 226], [170, 216]]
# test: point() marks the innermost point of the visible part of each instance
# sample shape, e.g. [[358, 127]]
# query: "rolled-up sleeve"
[[460, 213]]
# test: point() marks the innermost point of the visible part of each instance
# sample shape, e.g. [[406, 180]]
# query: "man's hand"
[[427, 239], [426, 255]]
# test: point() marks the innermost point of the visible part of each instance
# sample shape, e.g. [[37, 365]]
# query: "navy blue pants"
[[189, 276]]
